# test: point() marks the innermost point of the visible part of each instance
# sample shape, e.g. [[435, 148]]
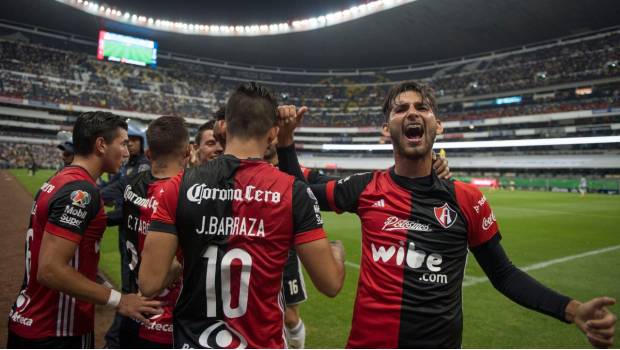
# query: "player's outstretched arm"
[[156, 268], [324, 262], [55, 272]]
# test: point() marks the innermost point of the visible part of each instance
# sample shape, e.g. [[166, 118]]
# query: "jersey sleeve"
[[164, 214], [343, 195], [71, 209], [481, 222], [307, 220]]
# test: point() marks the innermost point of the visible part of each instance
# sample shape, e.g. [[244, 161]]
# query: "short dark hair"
[[206, 126], [426, 92], [220, 114], [250, 112], [167, 136], [91, 125]]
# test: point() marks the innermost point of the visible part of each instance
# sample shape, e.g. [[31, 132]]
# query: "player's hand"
[[441, 167], [135, 307], [289, 117], [597, 322], [337, 251]]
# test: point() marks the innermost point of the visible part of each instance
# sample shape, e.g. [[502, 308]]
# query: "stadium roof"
[[422, 31]]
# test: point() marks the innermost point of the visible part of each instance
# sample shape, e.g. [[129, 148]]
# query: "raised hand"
[[289, 117], [440, 165]]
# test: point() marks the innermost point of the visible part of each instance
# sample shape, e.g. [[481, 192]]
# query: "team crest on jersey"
[[445, 215], [80, 198]]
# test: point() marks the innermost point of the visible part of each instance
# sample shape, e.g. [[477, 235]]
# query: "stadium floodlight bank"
[[285, 27]]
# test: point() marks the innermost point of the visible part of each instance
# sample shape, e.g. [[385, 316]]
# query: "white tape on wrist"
[[114, 299]]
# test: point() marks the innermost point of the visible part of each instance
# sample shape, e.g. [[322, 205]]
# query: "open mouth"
[[414, 132]]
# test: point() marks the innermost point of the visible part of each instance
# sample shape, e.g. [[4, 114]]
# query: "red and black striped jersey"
[[235, 221], [139, 202], [68, 205], [415, 237]]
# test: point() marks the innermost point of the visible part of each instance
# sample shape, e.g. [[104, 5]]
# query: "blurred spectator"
[[67, 152]]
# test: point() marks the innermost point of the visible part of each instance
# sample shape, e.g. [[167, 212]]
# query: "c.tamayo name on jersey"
[[134, 222]]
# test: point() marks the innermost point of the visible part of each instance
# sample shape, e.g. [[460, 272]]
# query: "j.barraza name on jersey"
[[232, 226]]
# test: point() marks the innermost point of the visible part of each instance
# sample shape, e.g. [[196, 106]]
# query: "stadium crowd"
[[47, 74], [21, 155]]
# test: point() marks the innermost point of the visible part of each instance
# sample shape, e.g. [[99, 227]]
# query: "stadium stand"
[[569, 87]]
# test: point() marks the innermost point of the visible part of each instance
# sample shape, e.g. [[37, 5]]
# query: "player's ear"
[[148, 154], [100, 146], [223, 128], [385, 130], [439, 127]]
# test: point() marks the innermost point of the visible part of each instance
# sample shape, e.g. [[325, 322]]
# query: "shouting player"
[[416, 230], [235, 219], [55, 307]]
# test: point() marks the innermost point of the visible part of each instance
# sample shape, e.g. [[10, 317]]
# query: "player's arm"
[[69, 213], [158, 267], [592, 317], [323, 261], [484, 240], [55, 272]]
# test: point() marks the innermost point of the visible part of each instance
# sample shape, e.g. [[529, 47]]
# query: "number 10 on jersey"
[[224, 265]]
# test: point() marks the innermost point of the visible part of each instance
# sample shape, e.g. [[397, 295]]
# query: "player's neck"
[[92, 165], [244, 149], [412, 167], [166, 168]]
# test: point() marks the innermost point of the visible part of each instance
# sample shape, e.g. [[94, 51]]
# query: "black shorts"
[[293, 285], [86, 341]]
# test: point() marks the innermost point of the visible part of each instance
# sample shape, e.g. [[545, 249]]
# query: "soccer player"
[[207, 147], [235, 219], [55, 307], [293, 283], [416, 230], [169, 152]]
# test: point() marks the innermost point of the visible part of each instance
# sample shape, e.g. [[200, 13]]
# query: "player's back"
[[235, 225]]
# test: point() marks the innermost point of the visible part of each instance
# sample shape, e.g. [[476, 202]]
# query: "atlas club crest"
[[445, 215]]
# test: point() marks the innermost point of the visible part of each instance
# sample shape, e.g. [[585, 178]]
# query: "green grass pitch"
[[133, 52], [536, 227]]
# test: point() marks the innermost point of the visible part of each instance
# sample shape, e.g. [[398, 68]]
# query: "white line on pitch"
[[550, 211], [471, 281], [348, 263]]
